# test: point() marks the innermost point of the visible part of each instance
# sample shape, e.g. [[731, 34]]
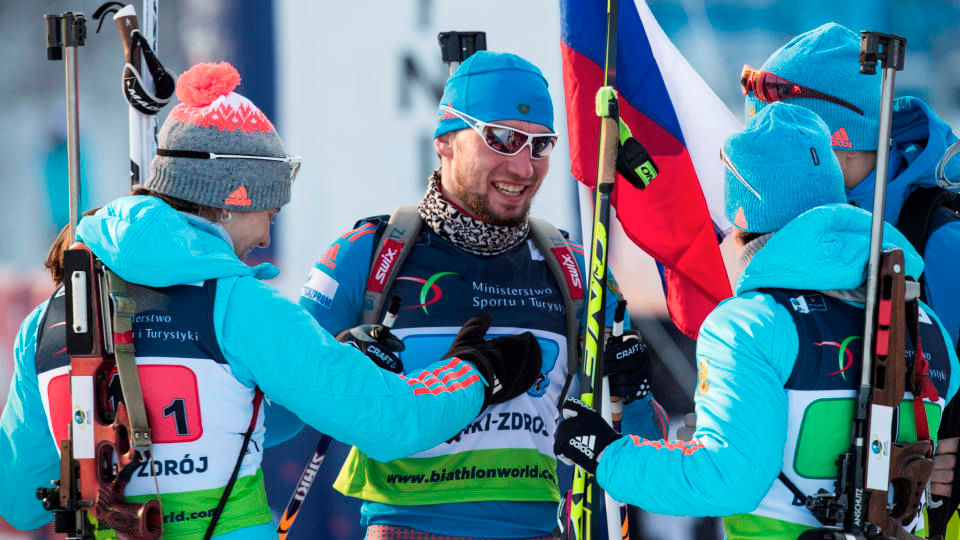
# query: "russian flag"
[[678, 219]]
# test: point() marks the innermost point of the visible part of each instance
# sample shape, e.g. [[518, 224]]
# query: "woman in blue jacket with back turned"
[[208, 332], [778, 363]]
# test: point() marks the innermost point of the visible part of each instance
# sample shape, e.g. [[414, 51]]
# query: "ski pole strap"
[[633, 161], [124, 308], [212, 526], [138, 95]]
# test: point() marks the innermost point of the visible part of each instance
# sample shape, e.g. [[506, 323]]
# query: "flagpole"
[[592, 381]]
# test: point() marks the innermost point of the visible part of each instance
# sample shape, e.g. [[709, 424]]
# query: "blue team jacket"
[[746, 352], [267, 341], [516, 288]]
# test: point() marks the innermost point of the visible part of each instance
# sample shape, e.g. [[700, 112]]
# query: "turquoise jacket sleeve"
[[273, 343], [745, 353], [28, 454], [645, 418]]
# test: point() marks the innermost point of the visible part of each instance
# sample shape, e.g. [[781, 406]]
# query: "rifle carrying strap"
[[398, 238], [124, 308], [124, 355], [920, 384], [917, 214], [225, 496]]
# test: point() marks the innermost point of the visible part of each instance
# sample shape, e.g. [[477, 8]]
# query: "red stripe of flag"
[[670, 219]]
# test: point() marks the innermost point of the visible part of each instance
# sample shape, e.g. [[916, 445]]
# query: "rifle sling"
[[124, 308], [225, 496]]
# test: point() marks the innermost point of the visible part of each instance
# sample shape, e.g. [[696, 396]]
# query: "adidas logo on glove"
[[584, 444]]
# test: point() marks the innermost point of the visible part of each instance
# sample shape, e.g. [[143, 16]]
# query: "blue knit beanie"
[[826, 59], [493, 87], [785, 168]]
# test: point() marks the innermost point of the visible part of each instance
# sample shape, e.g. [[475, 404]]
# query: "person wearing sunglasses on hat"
[[476, 249], [820, 70], [212, 339], [771, 396]]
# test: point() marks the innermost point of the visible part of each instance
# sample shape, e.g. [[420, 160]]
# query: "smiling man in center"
[[469, 245]]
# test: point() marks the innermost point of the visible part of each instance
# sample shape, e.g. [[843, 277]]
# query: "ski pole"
[[615, 512], [146, 90], [313, 466], [592, 374]]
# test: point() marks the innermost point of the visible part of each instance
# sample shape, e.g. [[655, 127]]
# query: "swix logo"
[[572, 272], [839, 138], [386, 261], [584, 444], [383, 263], [308, 475]]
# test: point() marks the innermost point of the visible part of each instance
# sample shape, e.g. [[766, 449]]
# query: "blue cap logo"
[[523, 108]]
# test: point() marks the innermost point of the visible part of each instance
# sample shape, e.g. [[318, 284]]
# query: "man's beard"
[[480, 208]]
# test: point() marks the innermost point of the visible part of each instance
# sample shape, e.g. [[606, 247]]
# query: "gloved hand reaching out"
[[510, 364], [582, 436]]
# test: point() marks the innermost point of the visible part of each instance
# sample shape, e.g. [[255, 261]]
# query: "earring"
[[226, 216]]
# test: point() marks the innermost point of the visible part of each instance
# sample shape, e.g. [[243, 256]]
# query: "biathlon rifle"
[[859, 506], [107, 439]]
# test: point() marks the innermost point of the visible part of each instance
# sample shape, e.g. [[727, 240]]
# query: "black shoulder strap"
[[916, 216], [918, 210]]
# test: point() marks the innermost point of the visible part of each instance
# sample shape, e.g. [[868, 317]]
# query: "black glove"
[[627, 362], [375, 341], [510, 364], [582, 435]]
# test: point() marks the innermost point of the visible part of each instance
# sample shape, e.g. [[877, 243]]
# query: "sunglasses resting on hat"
[[736, 173], [506, 140], [769, 88], [293, 161]]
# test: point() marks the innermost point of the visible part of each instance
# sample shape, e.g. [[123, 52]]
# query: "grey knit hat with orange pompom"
[[211, 118]]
